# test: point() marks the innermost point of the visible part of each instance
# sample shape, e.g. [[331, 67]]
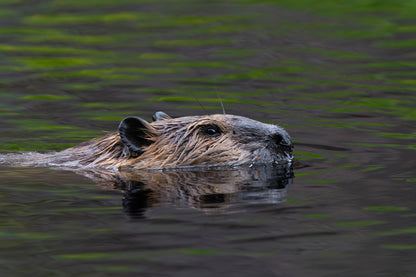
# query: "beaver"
[[190, 141]]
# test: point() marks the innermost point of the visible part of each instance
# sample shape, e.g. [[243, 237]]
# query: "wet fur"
[[179, 142]]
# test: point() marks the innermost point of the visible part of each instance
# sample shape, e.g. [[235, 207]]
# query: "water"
[[338, 76]]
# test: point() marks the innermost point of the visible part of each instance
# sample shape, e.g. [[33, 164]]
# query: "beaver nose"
[[281, 139]]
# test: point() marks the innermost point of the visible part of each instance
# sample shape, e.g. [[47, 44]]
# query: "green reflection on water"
[[202, 64], [385, 208], [399, 246], [88, 86], [381, 145], [159, 56], [407, 43], [46, 97], [359, 223], [410, 230], [7, 13], [302, 155], [89, 209], [191, 42], [90, 3], [379, 103], [199, 251], [372, 168], [321, 181], [74, 19], [316, 216], [111, 115], [334, 94], [115, 268], [235, 53], [118, 73], [29, 236], [208, 100], [274, 73], [41, 63], [393, 106], [55, 50], [155, 254], [300, 202], [196, 107], [87, 256], [343, 123], [326, 170], [35, 145], [38, 125], [398, 135], [113, 105]]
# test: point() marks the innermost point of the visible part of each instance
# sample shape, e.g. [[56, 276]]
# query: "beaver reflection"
[[208, 190]]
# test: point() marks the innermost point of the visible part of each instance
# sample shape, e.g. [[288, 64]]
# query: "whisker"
[[219, 98]]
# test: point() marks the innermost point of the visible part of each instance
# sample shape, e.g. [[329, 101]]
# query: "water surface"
[[338, 76]]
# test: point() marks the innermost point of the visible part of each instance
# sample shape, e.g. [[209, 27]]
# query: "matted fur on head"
[[192, 141]]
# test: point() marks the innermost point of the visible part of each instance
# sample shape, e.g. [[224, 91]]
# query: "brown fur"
[[181, 142]]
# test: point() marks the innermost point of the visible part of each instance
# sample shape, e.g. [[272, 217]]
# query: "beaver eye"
[[212, 131]]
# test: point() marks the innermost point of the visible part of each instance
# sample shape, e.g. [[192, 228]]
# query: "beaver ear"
[[133, 132], [160, 116]]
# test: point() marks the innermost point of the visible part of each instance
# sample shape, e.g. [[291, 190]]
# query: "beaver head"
[[210, 140]]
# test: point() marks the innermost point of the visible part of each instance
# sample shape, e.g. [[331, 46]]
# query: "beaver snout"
[[281, 142], [281, 139]]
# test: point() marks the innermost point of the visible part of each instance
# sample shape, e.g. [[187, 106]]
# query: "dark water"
[[339, 76]]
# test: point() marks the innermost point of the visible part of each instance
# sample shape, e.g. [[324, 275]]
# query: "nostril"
[[281, 140], [277, 138]]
